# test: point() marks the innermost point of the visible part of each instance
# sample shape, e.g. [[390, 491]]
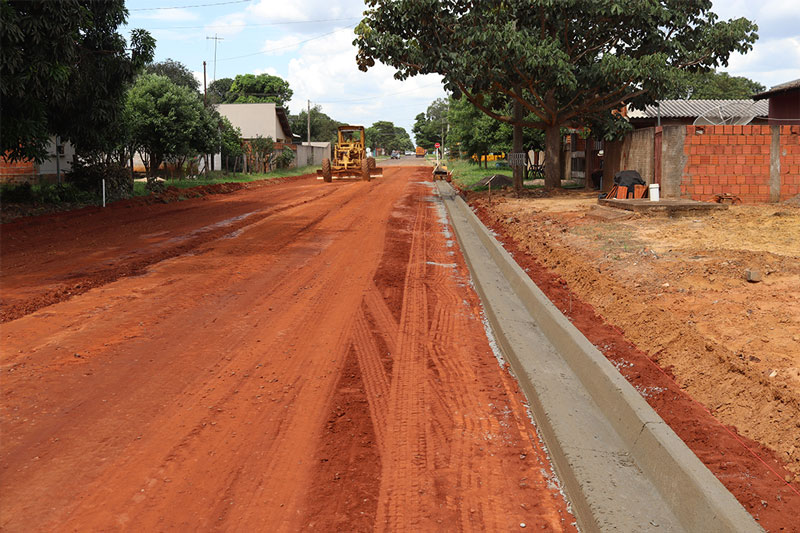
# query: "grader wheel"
[[365, 169], [371, 162], [326, 171]]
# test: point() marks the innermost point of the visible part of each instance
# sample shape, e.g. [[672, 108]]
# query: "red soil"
[[285, 357], [752, 473]]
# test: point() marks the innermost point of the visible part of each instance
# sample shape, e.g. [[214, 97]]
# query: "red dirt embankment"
[[288, 357], [670, 321]]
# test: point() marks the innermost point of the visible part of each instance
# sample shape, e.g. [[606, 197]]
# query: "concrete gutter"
[[622, 466]]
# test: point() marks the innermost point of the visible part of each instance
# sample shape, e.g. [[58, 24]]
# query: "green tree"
[[250, 88], [175, 71], [230, 141], [219, 91], [261, 154], [476, 133], [563, 62], [64, 70], [323, 127], [384, 134], [716, 86], [431, 127], [169, 122]]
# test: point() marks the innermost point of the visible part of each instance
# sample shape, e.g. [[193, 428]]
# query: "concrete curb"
[[622, 466]]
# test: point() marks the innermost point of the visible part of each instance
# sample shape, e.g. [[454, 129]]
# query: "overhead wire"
[[378, 96], [286, 46], [191, 6], [251, 25]]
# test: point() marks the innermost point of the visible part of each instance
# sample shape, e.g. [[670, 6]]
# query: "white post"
[[104, 192]]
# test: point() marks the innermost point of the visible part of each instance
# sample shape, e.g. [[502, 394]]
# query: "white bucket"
[[655, 191]]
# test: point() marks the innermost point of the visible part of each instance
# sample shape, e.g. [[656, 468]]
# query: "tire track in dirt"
[[376, 383], [281, 448], [446, 462], [403, 477], [261, 380], [71, 284], [384, 321], [211, 401]]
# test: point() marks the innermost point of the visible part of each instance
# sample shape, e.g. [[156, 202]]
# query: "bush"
[[285, 158], [44, 194], [17, 194], [89, 177]]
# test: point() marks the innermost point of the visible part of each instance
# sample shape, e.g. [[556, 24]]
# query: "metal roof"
[[695, 108], [788, 86]]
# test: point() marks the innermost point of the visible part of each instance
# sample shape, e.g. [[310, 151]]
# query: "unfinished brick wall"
[[790, 161], [730, 159], [17, 172]]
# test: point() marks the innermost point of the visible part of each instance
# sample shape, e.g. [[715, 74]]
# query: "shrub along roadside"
[[217, 177], [48, 193]]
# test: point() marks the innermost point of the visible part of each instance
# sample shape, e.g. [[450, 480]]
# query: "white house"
[[264, 119]]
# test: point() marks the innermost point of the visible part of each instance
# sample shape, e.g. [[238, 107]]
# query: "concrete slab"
[[665, 207], [621, 466]]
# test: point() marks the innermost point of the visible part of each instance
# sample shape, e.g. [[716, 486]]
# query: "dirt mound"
[[497, 181], [794, 201], [13, 211], [678, 319]]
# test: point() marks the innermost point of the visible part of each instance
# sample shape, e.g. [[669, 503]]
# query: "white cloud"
[[168, 15], [325, 72], [268, 70], [281, 46], [228, 25], [775, 57], [304, 10], [770, 62], [297, 16]]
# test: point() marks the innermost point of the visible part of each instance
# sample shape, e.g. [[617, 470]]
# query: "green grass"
[[216, 177], [466, 174]]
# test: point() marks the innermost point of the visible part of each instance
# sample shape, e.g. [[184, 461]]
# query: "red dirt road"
[[289, 356]]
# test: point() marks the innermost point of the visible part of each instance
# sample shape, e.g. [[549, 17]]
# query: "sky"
[[309, 44]]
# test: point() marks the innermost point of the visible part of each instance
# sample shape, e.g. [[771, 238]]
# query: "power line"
[[187, 7], [286, 46], [378, 96], [250, 25]]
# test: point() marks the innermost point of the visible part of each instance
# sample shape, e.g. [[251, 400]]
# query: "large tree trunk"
[[518, 171], [552, 157]]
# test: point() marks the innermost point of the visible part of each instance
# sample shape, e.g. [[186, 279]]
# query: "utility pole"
[[308, 133], [215, 39], [204, 84]]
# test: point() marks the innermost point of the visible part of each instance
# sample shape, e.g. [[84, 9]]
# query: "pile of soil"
[[666, 301], [13, 211], [497, 180]]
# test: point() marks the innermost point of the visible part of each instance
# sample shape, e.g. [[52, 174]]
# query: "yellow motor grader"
[[350, 157]]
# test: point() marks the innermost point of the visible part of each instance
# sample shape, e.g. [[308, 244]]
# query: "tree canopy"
[[64, 70], [562, 62], [175, 71], [716, 86], [252, 88], [431, 127], [168, 122], [219, 90], [476, 133], [323, 127], [384, 134]]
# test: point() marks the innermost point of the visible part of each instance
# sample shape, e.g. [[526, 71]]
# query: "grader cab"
[[350, 157]]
